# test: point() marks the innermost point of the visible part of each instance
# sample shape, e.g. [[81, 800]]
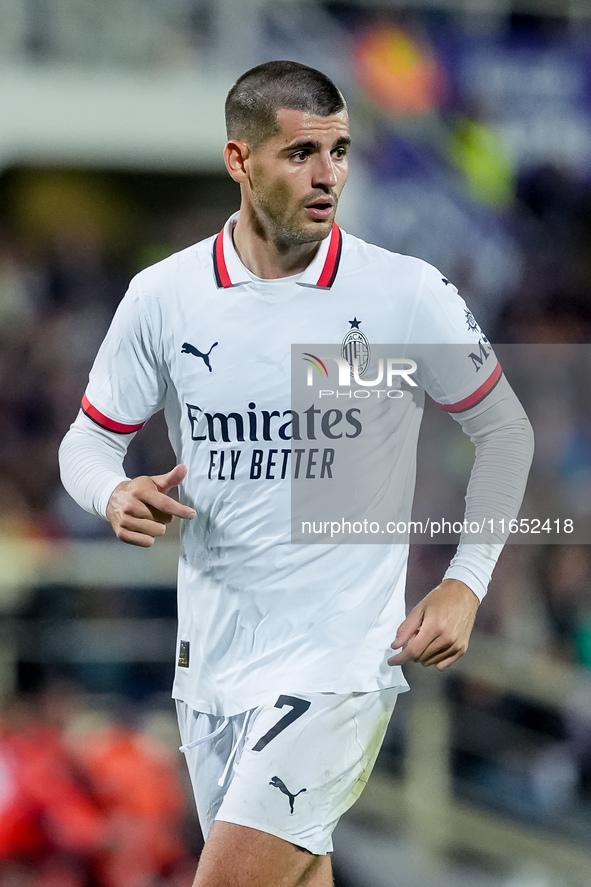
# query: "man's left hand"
[[437, 630]]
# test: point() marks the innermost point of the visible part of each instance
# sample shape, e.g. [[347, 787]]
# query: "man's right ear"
[[236, 153]]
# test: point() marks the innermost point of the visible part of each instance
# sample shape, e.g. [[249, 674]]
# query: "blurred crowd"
[[69, 243], [88, 800]]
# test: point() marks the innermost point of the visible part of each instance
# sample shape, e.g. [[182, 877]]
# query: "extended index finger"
[[166, 504]]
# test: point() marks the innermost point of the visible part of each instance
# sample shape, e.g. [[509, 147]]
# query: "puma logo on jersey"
[[190, 349], [278, 783]]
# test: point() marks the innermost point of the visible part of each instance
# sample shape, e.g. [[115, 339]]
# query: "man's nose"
[[325, 171]]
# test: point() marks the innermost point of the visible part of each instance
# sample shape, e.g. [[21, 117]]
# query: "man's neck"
[[267, 258]]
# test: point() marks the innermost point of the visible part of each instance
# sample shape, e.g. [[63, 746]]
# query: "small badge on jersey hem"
[[184, 654]]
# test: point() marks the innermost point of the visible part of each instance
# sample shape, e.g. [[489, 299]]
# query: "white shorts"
[[289, 768]]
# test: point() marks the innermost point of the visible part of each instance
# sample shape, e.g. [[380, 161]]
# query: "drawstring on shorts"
[[230, 761], [185, 748], [216, 732]]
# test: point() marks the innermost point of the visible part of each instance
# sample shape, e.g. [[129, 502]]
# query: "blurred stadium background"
[[472, 128]]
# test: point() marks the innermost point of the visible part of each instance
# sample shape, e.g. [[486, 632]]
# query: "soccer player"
[[286, 676]]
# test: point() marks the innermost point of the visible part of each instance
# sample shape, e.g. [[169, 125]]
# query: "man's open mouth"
[[321, 209]]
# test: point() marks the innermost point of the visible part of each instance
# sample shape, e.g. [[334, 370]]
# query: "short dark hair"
[[255, 98]]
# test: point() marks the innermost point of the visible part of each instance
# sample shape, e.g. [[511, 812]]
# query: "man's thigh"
[[236, 856], [297, 764]]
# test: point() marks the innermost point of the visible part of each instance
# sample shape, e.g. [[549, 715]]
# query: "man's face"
[[296, 177]]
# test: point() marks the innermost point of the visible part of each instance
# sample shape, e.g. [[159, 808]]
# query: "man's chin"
[[312, 232]]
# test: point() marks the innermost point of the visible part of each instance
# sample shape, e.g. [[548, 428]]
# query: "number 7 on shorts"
[[298, 708]]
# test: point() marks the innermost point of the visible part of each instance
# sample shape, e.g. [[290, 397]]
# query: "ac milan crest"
[[355, 348]]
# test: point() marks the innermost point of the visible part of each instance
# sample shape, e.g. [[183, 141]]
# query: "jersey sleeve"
[[456, 363], [126, 384]]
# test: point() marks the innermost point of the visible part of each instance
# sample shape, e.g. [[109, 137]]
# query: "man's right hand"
[[139, 509]]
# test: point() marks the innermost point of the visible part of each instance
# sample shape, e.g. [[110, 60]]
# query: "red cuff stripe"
[[477, 395], [104, 421], [333, 257], [219, 263]]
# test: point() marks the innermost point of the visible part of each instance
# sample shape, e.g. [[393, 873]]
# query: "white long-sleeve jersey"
[[200, 337]]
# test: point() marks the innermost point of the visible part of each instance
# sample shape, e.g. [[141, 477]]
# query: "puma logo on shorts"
[[278, 783]]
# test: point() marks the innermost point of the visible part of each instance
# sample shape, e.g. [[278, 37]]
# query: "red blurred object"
[[400, 73], [137, 785], [43, 809], [104, 806]]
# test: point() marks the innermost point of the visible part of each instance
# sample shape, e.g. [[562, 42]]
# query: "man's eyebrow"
[[299, 146], [312, 144]]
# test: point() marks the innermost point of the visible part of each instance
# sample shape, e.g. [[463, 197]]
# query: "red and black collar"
[[325, 278]]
